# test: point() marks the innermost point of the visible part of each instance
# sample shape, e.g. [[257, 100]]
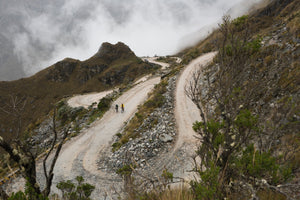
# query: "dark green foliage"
[[257, 164], [158, 99], [190, 55], [168, 176], [240, 22], [29, 194], [116, 145], [104, 104], [80, 191], [156, 102], [125, 170], [18, 196], [67, 114], [208, 187], [66, 187], [245, 120], [254, 45]]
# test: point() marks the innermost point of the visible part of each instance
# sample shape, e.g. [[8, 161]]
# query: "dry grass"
[[179, 193]]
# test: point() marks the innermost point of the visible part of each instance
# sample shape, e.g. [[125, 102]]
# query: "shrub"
[[80, 191], [29, 194], [258, 164], [254, 45], [208, 187], [104, 104]]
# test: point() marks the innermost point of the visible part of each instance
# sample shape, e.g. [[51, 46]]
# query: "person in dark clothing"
[[117, 107]]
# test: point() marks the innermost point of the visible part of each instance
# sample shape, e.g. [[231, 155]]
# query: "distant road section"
[[87, 99]]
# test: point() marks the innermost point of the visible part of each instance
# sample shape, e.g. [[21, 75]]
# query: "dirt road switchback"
[[79, 155], [186, 112]]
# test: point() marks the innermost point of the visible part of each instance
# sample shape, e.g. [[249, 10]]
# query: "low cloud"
[[52, 31]]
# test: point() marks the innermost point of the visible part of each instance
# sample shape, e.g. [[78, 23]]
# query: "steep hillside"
[[111, 66], [251, 99]]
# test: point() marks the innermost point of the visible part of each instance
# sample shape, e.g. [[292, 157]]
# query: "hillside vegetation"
[[250, 105]]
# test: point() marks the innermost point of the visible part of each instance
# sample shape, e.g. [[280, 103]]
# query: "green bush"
[[67, 113], [255, 45], [208, 187], [245, 120], [104, 104], [125, 170], [29, 194], [18, 196], [63, 113], [80, 191], [258, 164], [167, 176]]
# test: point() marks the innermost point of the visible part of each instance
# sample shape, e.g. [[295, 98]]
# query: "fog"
[[35, 35]]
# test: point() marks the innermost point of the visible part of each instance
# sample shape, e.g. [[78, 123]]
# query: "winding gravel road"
[[179, 161], [79, 155], [186, 112]]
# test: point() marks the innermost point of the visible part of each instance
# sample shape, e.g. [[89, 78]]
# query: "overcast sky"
[[36, 35]]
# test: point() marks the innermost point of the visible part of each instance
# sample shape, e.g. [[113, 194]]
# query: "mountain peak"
[[110, 52]]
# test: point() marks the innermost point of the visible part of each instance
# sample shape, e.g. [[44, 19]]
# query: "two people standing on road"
[[117, 107]]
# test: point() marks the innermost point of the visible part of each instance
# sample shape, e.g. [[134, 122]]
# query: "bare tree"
[[223, 132], [21, 153]]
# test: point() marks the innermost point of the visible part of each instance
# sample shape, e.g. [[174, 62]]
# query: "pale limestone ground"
[[87, 99]]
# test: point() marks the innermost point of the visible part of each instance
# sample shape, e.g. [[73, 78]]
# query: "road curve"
[[79, 155], [179, 160], [86, 100], [186, 112]]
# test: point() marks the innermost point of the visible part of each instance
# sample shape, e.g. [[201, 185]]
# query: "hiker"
[[117, 107], [122, 107]]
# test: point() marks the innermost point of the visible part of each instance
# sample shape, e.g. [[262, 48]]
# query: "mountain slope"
[[256, 73], [112, 65]]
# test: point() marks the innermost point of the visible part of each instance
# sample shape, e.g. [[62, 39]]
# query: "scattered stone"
[[154, 138], [166, 138]]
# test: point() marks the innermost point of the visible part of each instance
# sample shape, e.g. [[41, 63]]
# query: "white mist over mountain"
[[36, 35]]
